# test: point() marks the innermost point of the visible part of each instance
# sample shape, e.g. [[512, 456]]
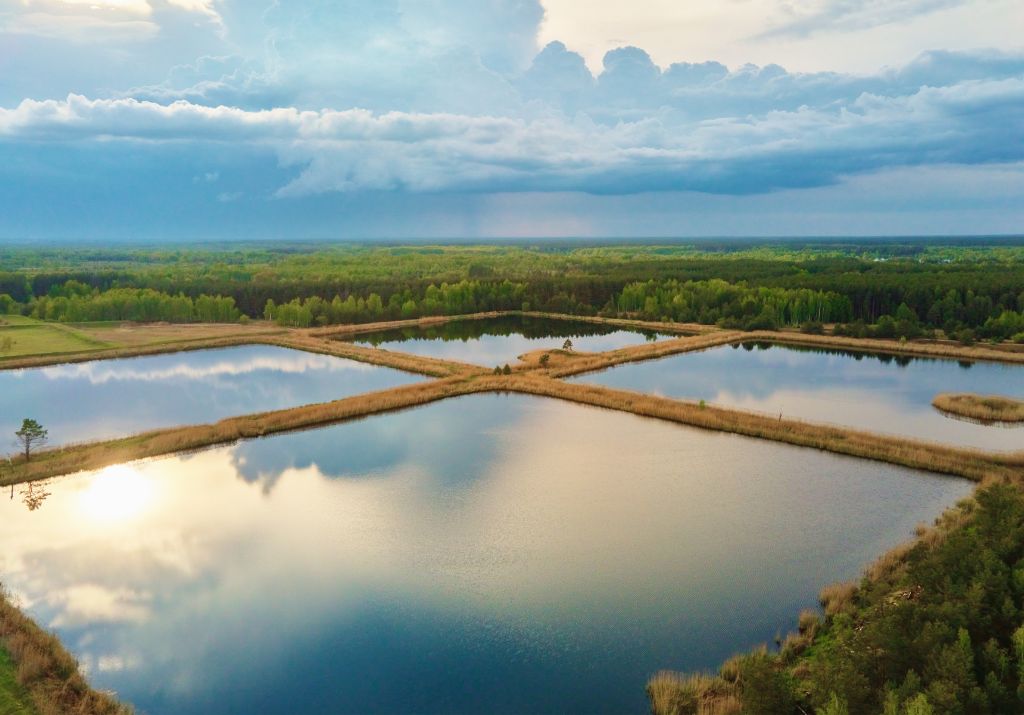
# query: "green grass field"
[[13, 699], [33, 337], [9, 320]]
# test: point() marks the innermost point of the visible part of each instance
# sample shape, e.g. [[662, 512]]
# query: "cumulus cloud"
[[305, 99], [974, 121]]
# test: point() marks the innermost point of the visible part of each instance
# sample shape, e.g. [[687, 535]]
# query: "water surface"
[[497, 341], [113, 398], [490, 553], [880, 393]]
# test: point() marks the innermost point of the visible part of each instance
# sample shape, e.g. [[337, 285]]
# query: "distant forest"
[[878, 288]]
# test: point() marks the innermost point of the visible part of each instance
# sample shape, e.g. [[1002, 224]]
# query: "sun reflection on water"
[[116, 494]]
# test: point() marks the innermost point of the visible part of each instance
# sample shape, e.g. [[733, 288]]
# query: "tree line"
[[77, 303], [973, 291]]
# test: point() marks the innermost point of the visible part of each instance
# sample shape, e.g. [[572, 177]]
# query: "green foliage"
[[766, 689], [731, 305], [143, 305], [919, 286], [939, 633], [30, 436], [13, 698]]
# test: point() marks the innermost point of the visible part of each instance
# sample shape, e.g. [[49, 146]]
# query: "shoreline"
[[976, 465], [262, 334], [456, 379]]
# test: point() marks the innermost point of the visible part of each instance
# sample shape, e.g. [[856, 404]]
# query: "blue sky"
[[300, 119]]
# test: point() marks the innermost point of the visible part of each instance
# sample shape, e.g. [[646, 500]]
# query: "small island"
[[987, 409]]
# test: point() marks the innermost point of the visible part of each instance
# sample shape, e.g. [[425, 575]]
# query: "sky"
[[431, 119]]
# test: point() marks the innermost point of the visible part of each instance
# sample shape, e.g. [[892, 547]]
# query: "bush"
[[966, 336], [939, 631]]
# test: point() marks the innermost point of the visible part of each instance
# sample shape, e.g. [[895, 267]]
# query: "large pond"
[[500, 554], [497, 341], [113, 398], [880, 393]]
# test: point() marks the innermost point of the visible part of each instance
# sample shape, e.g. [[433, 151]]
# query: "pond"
[[497, 341], [103, 399], [879, 393], [501, 554]]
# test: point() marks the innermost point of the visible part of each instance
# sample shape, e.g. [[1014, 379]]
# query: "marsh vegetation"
[[936, 627], [983, 408]]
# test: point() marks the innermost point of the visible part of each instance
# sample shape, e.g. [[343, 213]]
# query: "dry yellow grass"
[[698, 694], [46, 671], [434, 367], [579, 363], [341, 331], [95, 455], [135, 340], [896, 347], [983, 408], [942, 459], [649, 325]]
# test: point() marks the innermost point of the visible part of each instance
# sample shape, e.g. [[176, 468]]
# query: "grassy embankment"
[[38, 676], [935, 627], [982, 408], [971, 464], [113, 340], [462, 378], [95, 455]]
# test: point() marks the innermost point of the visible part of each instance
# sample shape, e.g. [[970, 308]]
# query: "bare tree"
[[30, 436]]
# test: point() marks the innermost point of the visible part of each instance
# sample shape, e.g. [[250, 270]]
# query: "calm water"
[[497, 341], [114, 398], [872, 392], [485, 554]]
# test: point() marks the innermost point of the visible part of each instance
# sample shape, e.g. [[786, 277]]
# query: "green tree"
[[545, 359], [567, 345], [30, 436], [919, 706]]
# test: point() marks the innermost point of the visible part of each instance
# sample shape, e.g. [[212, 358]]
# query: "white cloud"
[[810, 35], [973, 121]]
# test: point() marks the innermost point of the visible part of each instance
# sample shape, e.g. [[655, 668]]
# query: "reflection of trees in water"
[[473, 329], [858, 355], [33, 495]]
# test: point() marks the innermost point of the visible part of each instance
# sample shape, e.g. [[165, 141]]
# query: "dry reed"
[[47, 672], [983, 408], [698, 694]]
